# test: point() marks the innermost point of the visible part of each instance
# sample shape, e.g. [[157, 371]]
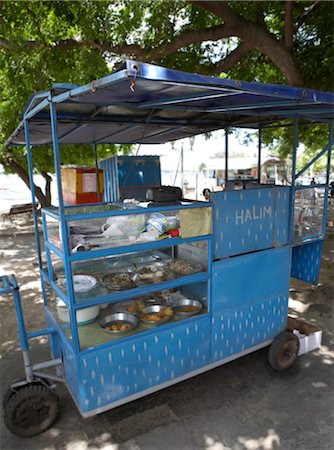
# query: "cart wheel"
[[10, 391], [31, 410], [283, 351]]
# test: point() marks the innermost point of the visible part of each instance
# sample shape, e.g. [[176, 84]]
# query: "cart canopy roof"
[[152, 104]]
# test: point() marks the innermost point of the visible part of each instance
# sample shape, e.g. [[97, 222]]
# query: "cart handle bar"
[[8, 284]]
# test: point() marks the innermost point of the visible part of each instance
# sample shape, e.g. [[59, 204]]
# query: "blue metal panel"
[[129, 367], [252, 277], [110, 179], [237, 329], [306, 260], [68, 356], [281, 215], [139, 170], [250, 220], [120, 173]]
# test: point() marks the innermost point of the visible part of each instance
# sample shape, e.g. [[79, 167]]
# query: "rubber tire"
[[283, 351], [10, 392], [21, 413]]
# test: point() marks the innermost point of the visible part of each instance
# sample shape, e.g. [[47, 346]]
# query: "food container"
[[135, 306], [84, 316], [119, 281], [183, 267], [156, 314], [153, 273], [186, 307], [81, 282], [118, 321]]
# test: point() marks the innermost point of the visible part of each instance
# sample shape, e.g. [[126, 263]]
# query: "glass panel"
[[309, 204], [56, 272], [108, 275], [116, 231], [60, 312], [139, 314], [92, 209], [53, 230]]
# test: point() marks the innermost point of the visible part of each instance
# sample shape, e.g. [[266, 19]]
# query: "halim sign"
[[250, 220]]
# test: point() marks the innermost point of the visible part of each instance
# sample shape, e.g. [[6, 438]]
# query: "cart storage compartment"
[[133, 366], [249, 301]]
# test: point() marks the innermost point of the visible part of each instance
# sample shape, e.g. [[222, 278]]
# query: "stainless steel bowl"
[[180, 307], [119, 318], [126, 306], [158, 311]]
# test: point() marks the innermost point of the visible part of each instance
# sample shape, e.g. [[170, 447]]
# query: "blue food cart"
[[140, 295]]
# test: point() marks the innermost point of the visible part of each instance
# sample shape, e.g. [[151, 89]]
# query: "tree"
[[46, 41]]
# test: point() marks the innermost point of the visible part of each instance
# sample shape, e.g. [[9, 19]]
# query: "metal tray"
[[119, 318]]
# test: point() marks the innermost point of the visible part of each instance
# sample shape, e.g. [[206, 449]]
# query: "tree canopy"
[[42, 42]]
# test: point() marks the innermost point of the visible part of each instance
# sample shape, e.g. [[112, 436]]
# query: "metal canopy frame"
[[115, 109]]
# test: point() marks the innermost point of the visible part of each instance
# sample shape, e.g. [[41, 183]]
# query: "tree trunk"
[[44, 200], [256, 36], [48, 180]]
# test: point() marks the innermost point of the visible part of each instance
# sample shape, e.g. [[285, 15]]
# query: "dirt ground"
[[243, 405]]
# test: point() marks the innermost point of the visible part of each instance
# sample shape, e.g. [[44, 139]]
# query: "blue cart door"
[[306, 260]]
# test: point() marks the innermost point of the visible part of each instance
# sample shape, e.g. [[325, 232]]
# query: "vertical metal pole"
[[294, 156], [63, 228], [226, 156], [97, 174], [293, 179], [182, 170], [32, 190], [22, 333], [33, 200], [330, 141], [47, 251], [259, 156]]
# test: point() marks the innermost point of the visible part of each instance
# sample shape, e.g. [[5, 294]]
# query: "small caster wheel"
[[31, 410], [283, 351]]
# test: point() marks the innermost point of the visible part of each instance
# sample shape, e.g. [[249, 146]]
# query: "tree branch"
[[230, 60], [193, 37], [304, 16], [181, 40], [257, 36], [48, 180], [288, 25]]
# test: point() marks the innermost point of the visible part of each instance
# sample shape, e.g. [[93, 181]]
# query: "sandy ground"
[[243, 405]]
